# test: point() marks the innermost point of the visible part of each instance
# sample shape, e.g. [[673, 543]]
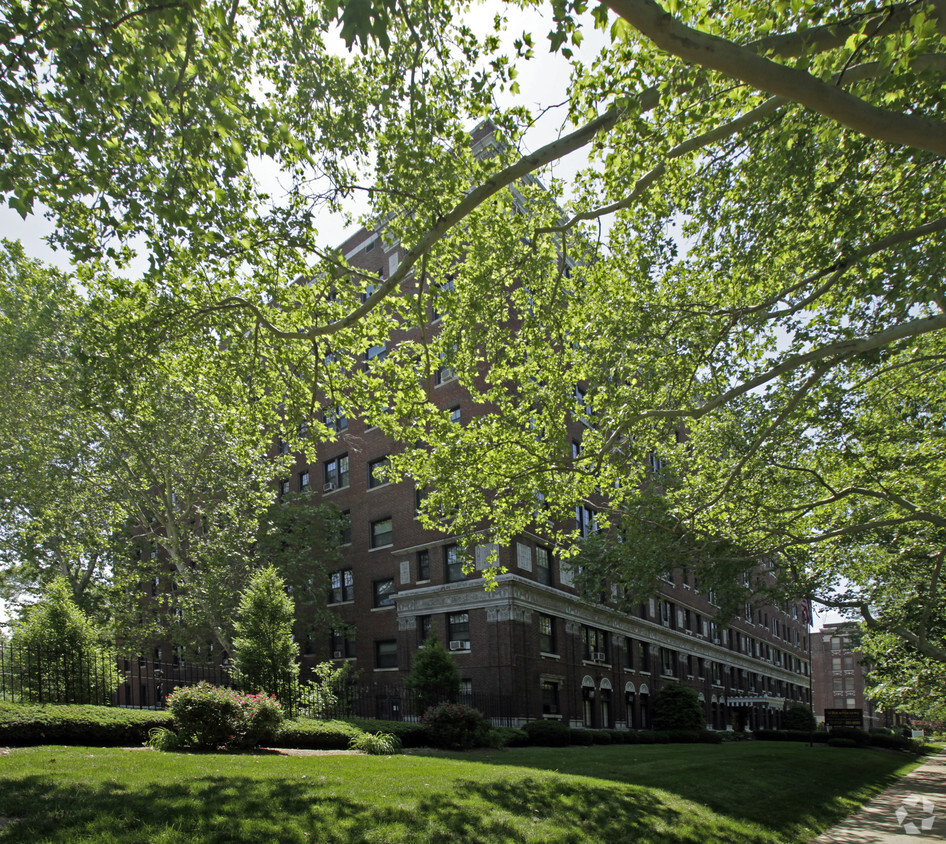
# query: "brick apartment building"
[[532, 638], [838, 674]]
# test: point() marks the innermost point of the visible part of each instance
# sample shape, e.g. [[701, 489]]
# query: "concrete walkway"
[[910, 811]]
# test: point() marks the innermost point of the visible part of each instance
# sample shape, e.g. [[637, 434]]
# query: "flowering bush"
[[209, 717], [455, 727]]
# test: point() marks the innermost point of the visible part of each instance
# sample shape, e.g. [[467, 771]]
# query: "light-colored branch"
[[737, 62], [841, 350]]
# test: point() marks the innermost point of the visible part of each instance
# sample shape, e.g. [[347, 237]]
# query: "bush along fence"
[[28, 675]]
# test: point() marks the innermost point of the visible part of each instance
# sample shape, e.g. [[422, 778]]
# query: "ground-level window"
[[385, 653]]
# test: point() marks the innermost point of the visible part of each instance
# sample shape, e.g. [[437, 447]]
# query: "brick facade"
[[532, 638]]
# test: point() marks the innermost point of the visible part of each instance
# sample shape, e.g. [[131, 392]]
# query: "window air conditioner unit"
[[328, 487], [337, 655], [597, 656], [459, 645]]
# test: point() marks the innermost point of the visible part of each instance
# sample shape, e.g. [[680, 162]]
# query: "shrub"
[[377, 744], [790, 735], [25, 724], [316, 735], [547, 733], [677, 707], [799, 717], [507, 737], [841, 742], [683, 736], [434, 677], [454, 726], [581, 736], [161, 738], [890, 742], [209, 717], [711, 737], [319, 698], [859, 737], [411, 734]]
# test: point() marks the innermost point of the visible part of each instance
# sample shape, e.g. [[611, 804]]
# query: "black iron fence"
[[30, 674]]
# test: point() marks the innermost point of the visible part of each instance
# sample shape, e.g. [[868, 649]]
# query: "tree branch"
[[737, 62]]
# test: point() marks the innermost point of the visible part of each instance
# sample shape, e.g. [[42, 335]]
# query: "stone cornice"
[[514, 593]]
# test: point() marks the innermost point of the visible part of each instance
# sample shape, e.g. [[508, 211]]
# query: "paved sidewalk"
[[910, 811]]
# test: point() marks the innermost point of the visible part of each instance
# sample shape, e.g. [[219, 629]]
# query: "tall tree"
[[127, 460], [266, 657]]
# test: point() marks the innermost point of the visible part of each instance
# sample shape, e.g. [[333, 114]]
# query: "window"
[[547, 634], [419, 496], [458, 631], [375, 354], [383, 592], [668, 662], [378, 472], [543, 565], [443, 374], [303, 482], [717, 670], [342, 644], [282, 446], [595, 642], [584, 520], [455, 415], [423, 565], [382, 533], [655, 462], [453, 566], [645, 657], [342, 587], [335, 419], [284, 487], [423, 628], [667, 614], [550, 705], [628, 653], [344, 533], [385, 653], [336, 473]]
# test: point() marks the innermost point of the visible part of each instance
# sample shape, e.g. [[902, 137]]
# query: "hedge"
[[860, 738], [102, 726], [313, 734]]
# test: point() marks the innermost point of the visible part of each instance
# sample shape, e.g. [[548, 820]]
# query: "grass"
[[739, 793]]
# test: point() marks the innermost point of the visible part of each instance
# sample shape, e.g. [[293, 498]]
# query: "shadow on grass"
[[212, 808]]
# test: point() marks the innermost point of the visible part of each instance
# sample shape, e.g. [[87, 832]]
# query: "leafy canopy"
[[744, 280]]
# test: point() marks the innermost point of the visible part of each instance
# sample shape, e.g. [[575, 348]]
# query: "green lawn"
[[734, 793]]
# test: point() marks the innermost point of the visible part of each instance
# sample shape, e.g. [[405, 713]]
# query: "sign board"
[[844, 718]]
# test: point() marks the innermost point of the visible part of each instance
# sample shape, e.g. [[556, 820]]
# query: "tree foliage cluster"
[[741, 291]]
